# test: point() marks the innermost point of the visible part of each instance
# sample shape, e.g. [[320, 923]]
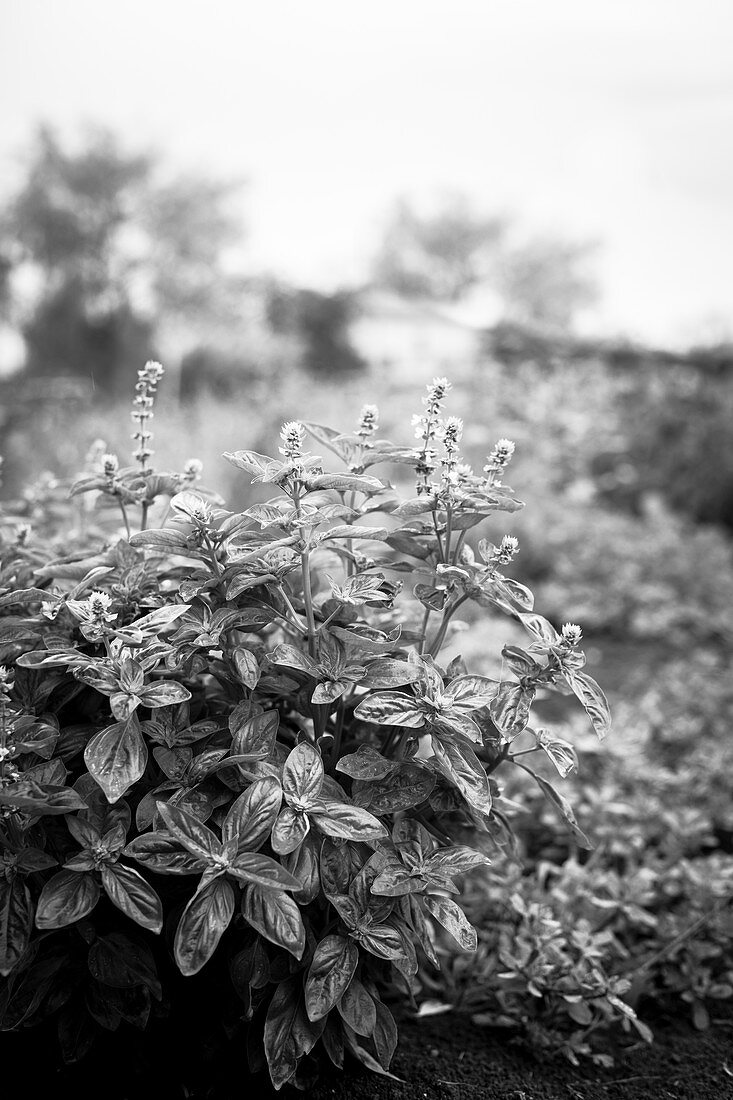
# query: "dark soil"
[[438, 1058], [445, 1058]]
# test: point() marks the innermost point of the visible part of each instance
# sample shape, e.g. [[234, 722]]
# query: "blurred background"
[[300, 208]]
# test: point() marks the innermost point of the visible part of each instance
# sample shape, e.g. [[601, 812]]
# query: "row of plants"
[[570, 941], [228, 738]]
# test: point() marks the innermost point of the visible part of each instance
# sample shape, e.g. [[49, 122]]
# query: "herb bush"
[[227, 739]]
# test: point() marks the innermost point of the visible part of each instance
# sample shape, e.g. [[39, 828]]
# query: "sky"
[[593, 120]]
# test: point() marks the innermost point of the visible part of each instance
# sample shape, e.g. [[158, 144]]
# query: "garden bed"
[[440, 1058]]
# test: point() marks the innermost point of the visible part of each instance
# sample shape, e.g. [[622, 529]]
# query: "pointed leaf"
[[202, 924], [128, 890], [390, 708], [116, 757], [16, 922], [66, 898], [303, 775], [289, 831], [162, 853], [252, 816], [593, 699], [275, 916], [331, 970], [453, 919], [190, 832], [357, 1008], [349, 822], [366, 763], [262, 870]]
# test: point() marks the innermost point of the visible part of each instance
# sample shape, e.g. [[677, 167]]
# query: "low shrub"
[[226, 739]]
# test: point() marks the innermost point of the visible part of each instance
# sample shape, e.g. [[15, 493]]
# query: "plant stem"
[[215, 564], [144, 518], [459, 546], [448, 531], [437, 535], [447, 616], [306, 574], [424, 628], [124, 516]]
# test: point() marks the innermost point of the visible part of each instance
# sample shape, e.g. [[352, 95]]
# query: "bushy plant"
[[228, 738]]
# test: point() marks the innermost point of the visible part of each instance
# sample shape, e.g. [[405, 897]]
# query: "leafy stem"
[[442, 629]]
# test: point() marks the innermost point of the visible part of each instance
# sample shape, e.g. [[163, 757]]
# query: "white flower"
[[368, 420], [193, 469], [110, 465], [292, 434], [571, 634]]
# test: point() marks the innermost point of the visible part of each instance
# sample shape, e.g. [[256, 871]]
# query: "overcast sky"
[[609, 120]]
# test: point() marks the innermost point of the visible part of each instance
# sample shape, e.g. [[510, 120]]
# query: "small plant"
[[230, 737]]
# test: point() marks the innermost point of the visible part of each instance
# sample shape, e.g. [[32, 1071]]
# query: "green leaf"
[[162, 853], [329, 691], [510, 709], [390, 708], [48, 799], [251, 817], [116, 757], [349, 483], [303, 775], [561, 752], [384, 941], [16, 922], [23, 596], [593, 699], [357, 1008], [119, 961], [455, 861], [384, 672], [128, 890], [262, 870], [202, 924], [289, 831], [66, 898], [290, 657], [562, 807], [190, 832], [167, 540], [396, 881], [253, 736], [366, 763], [247, 666], [407, 786], [539, 628], [453, 919], [289, 1033], [166, 693], [352, 531], [303, 864], [330, 973], [251, 462], [458, 763], [384, 1035], [348, 822], [275, 916], [471, 692]]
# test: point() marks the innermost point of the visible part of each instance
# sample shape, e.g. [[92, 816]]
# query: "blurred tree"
[[101, 258], [545, 282], [441, 255], [446, 254], [320, 324]]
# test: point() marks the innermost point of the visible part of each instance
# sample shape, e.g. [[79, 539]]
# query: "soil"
[[438, 1058], [444, 1058]]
